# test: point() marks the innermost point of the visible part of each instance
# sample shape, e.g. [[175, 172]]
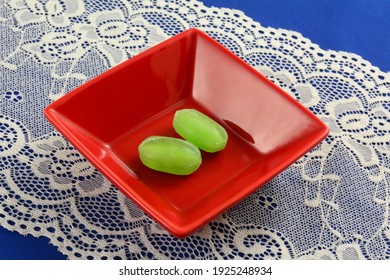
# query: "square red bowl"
[[108, 117]]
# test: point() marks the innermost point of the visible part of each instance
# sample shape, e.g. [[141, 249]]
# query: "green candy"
[[170, 155], [201, 130]]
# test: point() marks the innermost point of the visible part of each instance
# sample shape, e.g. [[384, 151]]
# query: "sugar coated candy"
[[170, 155], [200, 129]]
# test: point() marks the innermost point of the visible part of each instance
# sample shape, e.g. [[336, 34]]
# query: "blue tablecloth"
[[358, 26]]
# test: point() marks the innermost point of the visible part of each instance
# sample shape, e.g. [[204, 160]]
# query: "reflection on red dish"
[[108, 117]]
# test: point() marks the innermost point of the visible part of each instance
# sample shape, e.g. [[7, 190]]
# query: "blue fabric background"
[[358, 26]]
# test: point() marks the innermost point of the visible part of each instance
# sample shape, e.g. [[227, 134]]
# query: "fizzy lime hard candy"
[[200, 129], [170, 155], [183, 157]]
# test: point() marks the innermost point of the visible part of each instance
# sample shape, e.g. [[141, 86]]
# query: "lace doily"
[[331, 204]]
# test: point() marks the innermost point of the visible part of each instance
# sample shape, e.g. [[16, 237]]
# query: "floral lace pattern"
[[333, 203]]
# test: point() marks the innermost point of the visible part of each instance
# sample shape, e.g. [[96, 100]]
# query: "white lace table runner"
[[331, 204]]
